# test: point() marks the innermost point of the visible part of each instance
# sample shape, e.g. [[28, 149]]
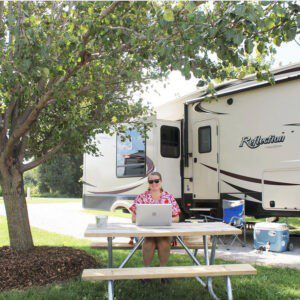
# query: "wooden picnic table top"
[[176, 229]]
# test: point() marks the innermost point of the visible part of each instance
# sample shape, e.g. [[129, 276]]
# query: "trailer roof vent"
[[229, 101]]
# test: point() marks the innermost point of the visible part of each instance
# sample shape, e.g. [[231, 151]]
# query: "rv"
[[243, 142]]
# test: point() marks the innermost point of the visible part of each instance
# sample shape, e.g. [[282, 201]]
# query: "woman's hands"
[[175, 219]]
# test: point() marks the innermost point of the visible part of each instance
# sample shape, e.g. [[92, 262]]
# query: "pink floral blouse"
[[165, 198]]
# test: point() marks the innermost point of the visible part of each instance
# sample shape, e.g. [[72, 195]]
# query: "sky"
[[176, 86]]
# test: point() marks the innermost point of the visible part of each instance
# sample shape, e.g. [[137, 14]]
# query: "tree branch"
[[124, 29], [24, 127], [103, 14], [8, 114], [44, 158]]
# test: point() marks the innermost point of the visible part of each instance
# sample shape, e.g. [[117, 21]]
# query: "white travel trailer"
[[244, 145]]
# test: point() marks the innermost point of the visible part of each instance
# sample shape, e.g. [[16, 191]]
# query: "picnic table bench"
[[180, 230]]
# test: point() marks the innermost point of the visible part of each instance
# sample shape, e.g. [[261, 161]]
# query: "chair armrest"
[[211, 218], [240, 219]]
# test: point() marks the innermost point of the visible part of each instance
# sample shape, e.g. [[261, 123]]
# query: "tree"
[[68, 71], [61, 175]]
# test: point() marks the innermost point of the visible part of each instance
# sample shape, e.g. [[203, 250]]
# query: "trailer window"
[[204, 139], [131, 156], [169, 141]]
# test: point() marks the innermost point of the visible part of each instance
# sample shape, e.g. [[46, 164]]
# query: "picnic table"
[[178, 230]]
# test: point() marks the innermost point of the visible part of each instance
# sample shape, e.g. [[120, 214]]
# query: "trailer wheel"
[[290, 246]]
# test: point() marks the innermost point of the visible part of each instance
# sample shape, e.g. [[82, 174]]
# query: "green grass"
[[117, 213], [44, 200], [270, 283], [293, 221]]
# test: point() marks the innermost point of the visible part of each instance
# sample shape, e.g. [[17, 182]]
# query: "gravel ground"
[[69, 219]]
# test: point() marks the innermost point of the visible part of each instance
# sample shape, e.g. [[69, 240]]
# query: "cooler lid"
[[270, 226]]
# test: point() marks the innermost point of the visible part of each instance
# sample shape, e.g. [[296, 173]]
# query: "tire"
[[290, 246]]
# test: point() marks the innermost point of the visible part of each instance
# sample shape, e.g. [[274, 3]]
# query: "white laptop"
[[154, 214]]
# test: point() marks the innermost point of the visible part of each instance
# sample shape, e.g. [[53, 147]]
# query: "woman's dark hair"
[[160, 177]]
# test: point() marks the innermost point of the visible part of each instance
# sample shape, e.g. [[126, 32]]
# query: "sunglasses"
[[151, 181]]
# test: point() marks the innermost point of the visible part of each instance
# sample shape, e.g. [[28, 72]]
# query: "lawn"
[[117, 213], [270, 283], [44, 200], [294, 222]]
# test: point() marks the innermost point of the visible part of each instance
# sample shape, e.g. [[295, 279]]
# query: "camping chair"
[[233, 214]]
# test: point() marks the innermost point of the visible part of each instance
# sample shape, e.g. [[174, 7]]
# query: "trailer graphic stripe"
[[253, 194], [150, 167], [199, 108], [86, 183], [117, 191], [250, 179]]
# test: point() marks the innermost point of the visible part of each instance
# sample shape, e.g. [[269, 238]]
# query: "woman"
[[156, 195]]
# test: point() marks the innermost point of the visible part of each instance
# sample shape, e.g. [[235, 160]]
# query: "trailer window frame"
[[118, 166], [163, 152], [206, 150]]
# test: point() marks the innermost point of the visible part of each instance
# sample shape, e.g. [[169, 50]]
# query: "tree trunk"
[[16, 207]]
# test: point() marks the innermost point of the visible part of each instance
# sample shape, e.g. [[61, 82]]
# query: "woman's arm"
[[133, 217], [175, 219]]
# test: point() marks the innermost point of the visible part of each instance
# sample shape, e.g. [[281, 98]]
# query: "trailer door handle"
[[195, 159]]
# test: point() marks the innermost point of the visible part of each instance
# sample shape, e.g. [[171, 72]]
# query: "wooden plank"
[[177, 229], [125, 246], [167, 272]]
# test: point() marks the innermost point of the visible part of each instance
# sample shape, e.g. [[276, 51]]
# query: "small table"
[[178, 230]]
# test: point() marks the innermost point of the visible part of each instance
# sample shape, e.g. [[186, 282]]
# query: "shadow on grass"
[[270, 283], [243, 288]]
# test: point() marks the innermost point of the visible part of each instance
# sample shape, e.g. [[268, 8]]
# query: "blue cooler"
[[275, 233]]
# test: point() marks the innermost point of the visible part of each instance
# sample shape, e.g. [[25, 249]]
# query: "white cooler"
[[277, 234]]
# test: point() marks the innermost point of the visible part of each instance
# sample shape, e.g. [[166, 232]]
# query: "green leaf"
[[169, 15], [238, 38], [249, 45], [198, 73], [298, 21], [201, 83], [261, 47], [240, 10], [269, 24], [45, 72], [290, 34], [277, 41], [191, 6], [90, 10]]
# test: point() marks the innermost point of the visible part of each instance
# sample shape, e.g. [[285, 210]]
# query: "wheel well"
[[124, 209], [122, 204]]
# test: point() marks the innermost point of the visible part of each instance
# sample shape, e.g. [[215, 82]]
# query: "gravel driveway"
[[69, 219], [64, 218]]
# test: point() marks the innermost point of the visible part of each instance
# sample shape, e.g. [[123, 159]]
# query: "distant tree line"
[[59, 177]]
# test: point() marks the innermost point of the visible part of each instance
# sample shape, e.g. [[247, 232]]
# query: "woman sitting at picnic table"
[[156, 195]]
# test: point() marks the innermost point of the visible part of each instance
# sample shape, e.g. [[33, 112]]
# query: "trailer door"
[[206, 160]]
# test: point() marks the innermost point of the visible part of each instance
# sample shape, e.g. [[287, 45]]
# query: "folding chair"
[[234, 214]]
